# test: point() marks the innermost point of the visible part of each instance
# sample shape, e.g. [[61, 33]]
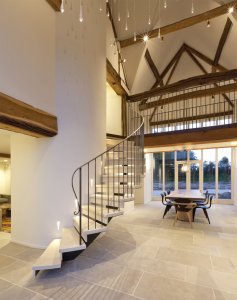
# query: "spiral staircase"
[[103, 188]]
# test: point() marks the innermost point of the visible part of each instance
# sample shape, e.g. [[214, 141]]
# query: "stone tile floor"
[[141, 256]]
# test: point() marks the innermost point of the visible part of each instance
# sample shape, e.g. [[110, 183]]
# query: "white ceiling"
[[139, 75]]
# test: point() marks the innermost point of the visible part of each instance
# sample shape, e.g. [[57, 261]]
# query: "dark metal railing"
[[101, 184], [190, 108]]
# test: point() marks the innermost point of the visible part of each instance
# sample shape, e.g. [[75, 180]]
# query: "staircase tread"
[[51, 258], [70, 241], [91, 229]]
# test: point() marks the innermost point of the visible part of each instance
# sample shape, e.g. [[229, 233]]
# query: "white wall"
[[113, 112], [73, 62]]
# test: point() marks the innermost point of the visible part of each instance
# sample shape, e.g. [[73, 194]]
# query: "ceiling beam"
[[17, 116], [208, 15], [167, 82], [153, 68], [205, 135], [222, 41], [55, 4], [120, 60], [186, 83], [205, 72], [5, 155], [114, 80], [205, 58], [192, 118], [232, 87]]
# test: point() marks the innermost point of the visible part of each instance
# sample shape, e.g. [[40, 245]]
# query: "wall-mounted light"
[[62, 7], [58, 225]]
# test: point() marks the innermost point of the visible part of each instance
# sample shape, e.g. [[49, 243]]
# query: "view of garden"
[[217, 182]]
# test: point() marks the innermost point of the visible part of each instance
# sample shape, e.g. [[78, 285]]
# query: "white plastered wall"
[[113, 112], [65, 76], [5, 178]]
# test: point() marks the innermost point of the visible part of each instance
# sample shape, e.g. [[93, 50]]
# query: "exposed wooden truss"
[[174, 66], [55, 4], [192, 118], [211, 78], [120, 61], [18, 116], [5, 155], [222, 41], [114, 79], [216, 134], [205, 72], [153, 68], [196, 94], [208, 15], [205, 58]]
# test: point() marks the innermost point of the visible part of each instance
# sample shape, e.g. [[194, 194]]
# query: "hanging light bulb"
[[165, 4], [126, 26], [149, 13], [208, 24], [62, 7], [192, 8], [119, 19], [81, 13], [145, 38], [101, 9], [134, 36]]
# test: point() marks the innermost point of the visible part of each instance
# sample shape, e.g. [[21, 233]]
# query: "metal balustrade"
[[104, 182], [196, 107]]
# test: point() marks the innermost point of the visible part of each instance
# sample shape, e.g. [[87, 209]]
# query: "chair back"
[[162, 198], [184, 204], [210, 201]]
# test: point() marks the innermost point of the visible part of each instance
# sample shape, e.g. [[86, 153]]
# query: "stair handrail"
[[78, 197]]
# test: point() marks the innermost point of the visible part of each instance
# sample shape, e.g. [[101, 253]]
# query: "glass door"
[[188, 175], [181, 176]]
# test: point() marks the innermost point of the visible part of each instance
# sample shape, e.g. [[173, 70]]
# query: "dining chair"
[[168, 204], [184, 207], [203, 201], [204, 207]]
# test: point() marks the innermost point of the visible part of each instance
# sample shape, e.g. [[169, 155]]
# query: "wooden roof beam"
[[205, 72], [114, 80], [222, 41], [55, 4], [17, 116], [205, 58], [208, 15], [186, 83], [153, 67]]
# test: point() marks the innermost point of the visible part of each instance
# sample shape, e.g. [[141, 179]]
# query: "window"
[[209, 170], [157, 174], [224, 173], [182, 155], [169, 171]]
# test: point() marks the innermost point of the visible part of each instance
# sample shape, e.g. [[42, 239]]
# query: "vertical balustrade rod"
[[80, 206], [95, 193]]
